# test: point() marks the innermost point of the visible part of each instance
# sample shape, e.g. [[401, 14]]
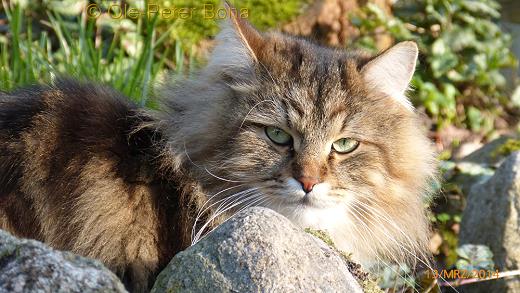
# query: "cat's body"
[[325, 137], [74, 176]]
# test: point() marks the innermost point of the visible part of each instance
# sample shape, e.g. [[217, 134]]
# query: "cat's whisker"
[[388, 235], [385, 216], [395, 258], [221, 201], [222, 164], [245, 197], [223, 179], [402, 247], [423, 257], [251, 110], [229, 201], [200, 236], [375, 212], [226, 201], [370, 232], [277, 87], [256, 203], [206, 169], [203, 208], [381, 213], [380, 261], [412, 247]]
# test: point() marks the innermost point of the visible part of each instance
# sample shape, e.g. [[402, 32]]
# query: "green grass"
[[203, 22], [77, 47], [43, 42]]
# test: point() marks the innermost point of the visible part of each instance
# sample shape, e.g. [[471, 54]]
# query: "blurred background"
[[466, 86]]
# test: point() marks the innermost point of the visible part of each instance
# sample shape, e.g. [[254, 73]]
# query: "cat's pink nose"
[[308, 183]]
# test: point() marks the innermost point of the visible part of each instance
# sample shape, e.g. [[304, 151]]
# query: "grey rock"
[[485, 155], [31, 266], [492, 218], [478, 166], [257, 251]]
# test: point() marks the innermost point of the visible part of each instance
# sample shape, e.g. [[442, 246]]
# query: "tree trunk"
[[328, 21]]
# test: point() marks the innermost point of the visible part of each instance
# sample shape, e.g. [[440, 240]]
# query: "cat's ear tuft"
[[238, 42], [392, 71]]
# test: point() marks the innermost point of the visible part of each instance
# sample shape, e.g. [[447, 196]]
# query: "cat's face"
[[325, 137], [309, 142], [321, 147]]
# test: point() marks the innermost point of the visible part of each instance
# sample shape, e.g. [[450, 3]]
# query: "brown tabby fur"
[[84, 170]]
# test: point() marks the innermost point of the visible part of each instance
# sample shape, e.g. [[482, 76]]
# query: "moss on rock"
[[364, 279], [511, 145]]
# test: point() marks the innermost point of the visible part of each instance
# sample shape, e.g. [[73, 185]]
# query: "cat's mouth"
[[291, 195], [316, 200]]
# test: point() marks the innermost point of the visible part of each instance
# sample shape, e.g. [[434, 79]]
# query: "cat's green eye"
[[345, 145], [278, 136]]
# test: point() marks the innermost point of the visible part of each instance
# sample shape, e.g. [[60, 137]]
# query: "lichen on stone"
[[363, 278], [323, 236], [511, 145], [370, 286]]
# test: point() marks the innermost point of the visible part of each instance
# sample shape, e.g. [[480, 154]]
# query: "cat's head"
[[324, 136]]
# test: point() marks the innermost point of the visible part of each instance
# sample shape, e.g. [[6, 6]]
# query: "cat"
[[324, 136]]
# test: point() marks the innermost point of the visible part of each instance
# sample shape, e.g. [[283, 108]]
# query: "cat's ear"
[[392, 71], [237, 44]]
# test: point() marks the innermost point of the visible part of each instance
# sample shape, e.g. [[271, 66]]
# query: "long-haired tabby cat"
[[323, 136]]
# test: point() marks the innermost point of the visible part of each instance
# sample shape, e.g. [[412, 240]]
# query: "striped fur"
[[83, 169]]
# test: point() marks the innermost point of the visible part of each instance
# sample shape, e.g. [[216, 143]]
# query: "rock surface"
[[31, 266], [492, 218], [480, 165], [486, 155], [257, 251]]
